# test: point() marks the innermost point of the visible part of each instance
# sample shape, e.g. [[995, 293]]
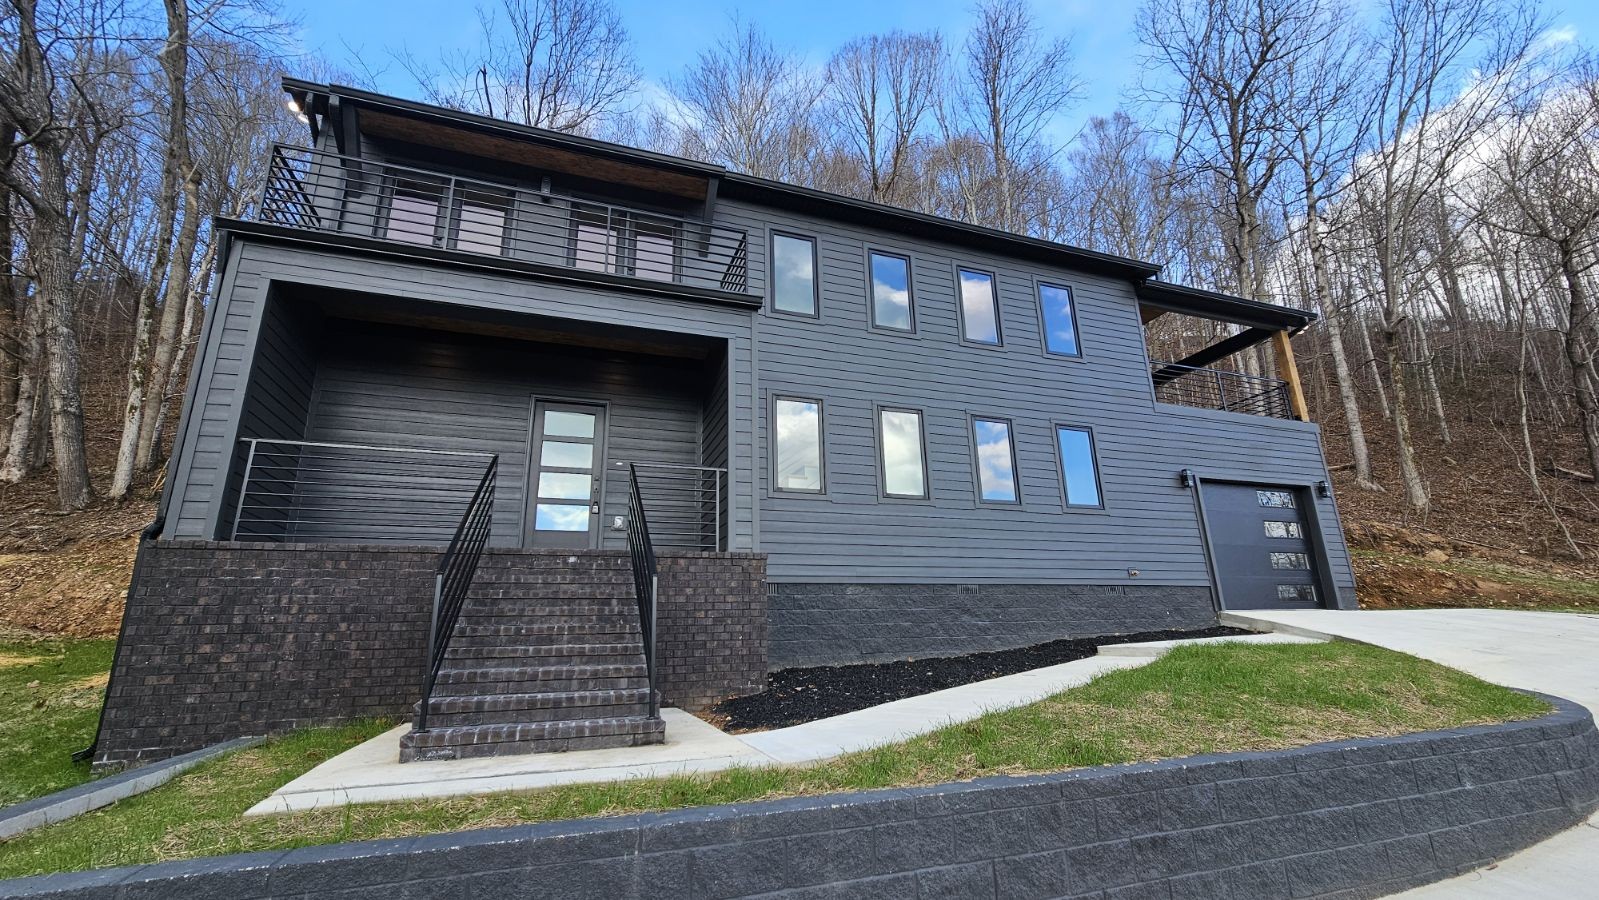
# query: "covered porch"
[[381, 421]]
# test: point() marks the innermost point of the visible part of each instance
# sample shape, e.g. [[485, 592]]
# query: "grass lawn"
[[50, 692], [1194, 700]]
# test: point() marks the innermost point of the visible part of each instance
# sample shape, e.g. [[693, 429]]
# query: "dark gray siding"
[[1149, 523], [212, 426], [390, 386]]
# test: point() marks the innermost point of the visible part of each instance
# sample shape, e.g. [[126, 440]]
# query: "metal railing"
[[326, 192], [318, 492], [685, 504], [453, 580], [646, 578], [1219, 389]]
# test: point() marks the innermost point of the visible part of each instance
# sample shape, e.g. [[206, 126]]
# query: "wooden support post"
[[1283, 344]]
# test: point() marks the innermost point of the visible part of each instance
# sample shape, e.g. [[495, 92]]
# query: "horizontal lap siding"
[[850, 534], [392, 386], [256, 264]]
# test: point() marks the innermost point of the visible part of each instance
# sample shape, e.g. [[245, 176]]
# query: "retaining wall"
[[1341, 820]]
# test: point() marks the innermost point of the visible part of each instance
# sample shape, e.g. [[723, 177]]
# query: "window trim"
[[960, 307], [882, 457], [821, 445], [977, 466], [816, 273], [1060, 463], [871, 291], [1043, 322]]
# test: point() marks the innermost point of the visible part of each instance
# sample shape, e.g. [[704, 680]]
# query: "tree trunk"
[[1376, 372], [20, 459], [1335, 340], [1579, 354], [48, 241], [1429, 379], [1409, 471]]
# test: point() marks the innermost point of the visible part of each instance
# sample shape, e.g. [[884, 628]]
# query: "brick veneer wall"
[[1344, 820], [227, 639], [825, 624], [711, 639]]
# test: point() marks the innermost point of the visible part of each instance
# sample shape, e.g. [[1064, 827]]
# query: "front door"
[[1260, 543], [564, 476]]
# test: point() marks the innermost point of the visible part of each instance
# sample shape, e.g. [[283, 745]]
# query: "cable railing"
[[452, 581], [327, 493], [646, 578], [684, 503], [326, 192], [1220, 389]]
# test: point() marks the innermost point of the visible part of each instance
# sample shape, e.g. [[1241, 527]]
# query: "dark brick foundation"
[[1352, 819], [229, 639], [711, 627], [824, 624]]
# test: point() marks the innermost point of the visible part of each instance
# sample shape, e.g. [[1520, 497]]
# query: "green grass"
[[1194, 700], [50, 692]]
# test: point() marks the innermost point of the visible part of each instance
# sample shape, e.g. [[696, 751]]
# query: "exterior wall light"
[[1188, 478], [1323, 489]]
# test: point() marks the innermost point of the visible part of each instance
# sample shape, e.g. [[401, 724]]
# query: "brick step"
[[545, 707], [464, 741], [481, 681], [487, 584], [543, 609], [551, 654], [587, 632]]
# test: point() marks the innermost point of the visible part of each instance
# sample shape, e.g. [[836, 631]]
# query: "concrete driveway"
[[1556, 653]]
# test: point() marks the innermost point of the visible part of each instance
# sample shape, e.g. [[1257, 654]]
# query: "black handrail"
[[453, 579], [1220, 389], [646, 579]]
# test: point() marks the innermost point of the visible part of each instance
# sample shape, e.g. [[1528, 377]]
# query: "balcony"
[[409, 207], [1220, 390]]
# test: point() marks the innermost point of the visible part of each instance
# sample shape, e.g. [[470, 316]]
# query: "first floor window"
[[797, 426], [904, 466], [1078, 471], [996, 461]]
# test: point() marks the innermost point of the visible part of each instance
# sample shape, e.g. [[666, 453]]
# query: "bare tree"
[[880, 89], [1010, 85], [751, 106], [565, 65]]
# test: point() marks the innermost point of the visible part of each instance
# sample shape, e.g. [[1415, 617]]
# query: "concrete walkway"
[[1556, 653], [371, 772]]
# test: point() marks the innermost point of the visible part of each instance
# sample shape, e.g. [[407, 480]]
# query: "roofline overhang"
[[1220, 307]]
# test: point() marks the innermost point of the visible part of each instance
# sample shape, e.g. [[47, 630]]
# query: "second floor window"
[[1060, 320], [623, 243], [413, 215], [891, 292], [979, 307], [793, 274]]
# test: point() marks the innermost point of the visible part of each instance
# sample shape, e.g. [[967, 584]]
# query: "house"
[[524, 432]]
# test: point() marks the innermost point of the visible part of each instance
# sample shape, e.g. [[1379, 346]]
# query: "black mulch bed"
[[796, 696]]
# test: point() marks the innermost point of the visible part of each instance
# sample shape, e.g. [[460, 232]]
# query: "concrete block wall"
[[1344, 820], [826, 624]]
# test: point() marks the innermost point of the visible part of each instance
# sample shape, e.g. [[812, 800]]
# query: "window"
[[797, 439], [414, 212], [594, 240], [1292, 592], [996, 461], [891, 292], [1078, 472], [793, 274], [1060, 320], [626, 244], [1290, 561], [480, 221], [654, 250], [1275, 499], [904, 465], [979, 307], [1283, 530]]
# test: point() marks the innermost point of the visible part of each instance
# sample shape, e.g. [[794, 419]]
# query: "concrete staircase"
[[546, 656]]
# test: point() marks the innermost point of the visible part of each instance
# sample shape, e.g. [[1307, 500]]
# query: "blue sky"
[[667, 34]]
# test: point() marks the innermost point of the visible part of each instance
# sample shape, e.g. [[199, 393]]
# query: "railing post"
[[649, 657], [716, 478], [244, 489], [433, 637], [1221, 390]]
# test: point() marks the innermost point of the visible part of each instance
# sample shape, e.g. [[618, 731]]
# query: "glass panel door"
[[565, 472]]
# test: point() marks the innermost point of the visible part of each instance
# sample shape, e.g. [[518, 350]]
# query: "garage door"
[[1260, 546]]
